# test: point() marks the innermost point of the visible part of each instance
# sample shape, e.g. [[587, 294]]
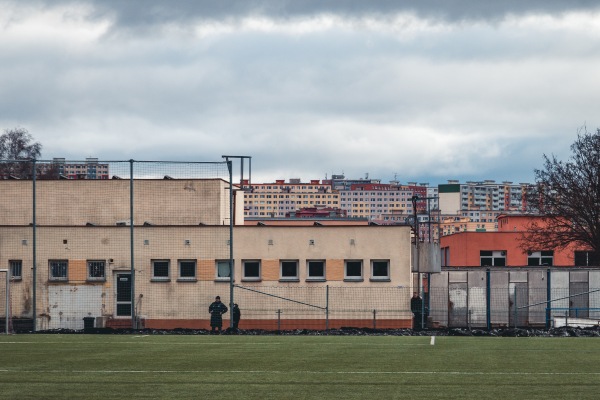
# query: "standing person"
[[416, 306], [236, 316], [216, 310]]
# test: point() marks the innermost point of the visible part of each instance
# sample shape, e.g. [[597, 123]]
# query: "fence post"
[[515, 305], [488, 300], [6, 330], [279, 321], [327, 309], [131, 246], [34, 247], [469, 319], [374, 319], [231, 294], [548, 298]]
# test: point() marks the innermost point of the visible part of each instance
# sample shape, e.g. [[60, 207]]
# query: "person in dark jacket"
[[416, 306], [216, 310], [237, 314]]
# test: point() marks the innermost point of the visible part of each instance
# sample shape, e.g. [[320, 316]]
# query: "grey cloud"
[[468, 102], [132, 14]]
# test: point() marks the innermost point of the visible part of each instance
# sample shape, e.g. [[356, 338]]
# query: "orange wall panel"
[[270, 270], [77, 270], [335, 270], [206, 270]]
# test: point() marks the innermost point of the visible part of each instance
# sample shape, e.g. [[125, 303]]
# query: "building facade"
[[504, 248], [90, 262], [280, 198], [456, 198], [88, 169]]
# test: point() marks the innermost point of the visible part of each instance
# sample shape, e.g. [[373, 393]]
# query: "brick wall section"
[[77, 270], [334, 270], [270, 270]]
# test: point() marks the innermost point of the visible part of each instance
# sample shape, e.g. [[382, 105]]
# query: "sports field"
[[297, 367]]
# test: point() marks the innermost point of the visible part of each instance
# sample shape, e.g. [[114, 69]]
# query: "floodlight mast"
[[417, 261], [414, 200], [230, 168]]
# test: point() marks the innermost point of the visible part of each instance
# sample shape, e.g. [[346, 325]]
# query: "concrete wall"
[[459, 297]]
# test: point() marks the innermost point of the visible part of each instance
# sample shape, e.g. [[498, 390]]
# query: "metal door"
[[123, 294], [518, 300], [457, 305], [579, 300]]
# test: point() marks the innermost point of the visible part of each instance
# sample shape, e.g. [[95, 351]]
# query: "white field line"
[[267, 372]]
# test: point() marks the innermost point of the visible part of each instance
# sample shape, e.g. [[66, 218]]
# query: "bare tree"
[[17, 150], [566, 197]]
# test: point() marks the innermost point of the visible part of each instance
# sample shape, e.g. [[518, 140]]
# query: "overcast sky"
[[422, 90]]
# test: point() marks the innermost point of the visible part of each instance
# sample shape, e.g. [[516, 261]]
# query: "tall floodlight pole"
[[414, 200], [131, 245], [231, 217], [34, 248]]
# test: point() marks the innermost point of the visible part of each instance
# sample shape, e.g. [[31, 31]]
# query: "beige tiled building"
[[178, 249]]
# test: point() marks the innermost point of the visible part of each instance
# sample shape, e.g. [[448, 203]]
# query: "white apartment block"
[[88, 169], [476, 199], [276, 199]]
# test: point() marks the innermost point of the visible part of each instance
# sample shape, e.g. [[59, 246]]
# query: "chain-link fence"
[[129, 244], [88, 242]]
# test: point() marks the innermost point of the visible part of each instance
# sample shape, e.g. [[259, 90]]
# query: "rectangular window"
[[96, 270], [380, 270], [540, 258], [16, 269], [160, 270], [587, 259], [315, 270], [187, 270], [223, 270], [496, 258], [58, 270], [353, 270], [251, 270], [289, 270]]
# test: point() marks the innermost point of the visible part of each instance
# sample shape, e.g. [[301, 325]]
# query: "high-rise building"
[[88, 169], [280, 198], [456, 198]]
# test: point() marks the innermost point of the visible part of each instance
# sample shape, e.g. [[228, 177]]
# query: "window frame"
[[51, 266], [89, 267], [295, 277], [251, 278], [160, 278], [180, 276], [494, 256], [223, 278], [353, 278], [12, 266], [592, 259], [315, 278], [380, 278], [539, 257]]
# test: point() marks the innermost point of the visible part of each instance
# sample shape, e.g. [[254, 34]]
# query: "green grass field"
[[297, 367]]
